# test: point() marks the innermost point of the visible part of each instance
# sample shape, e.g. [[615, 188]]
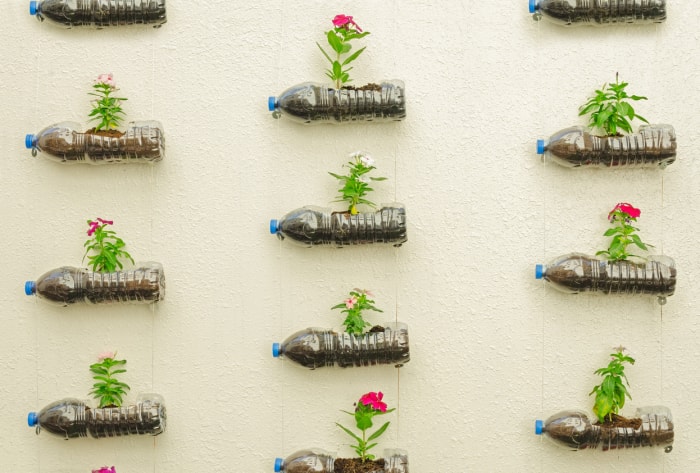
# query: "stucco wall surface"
[[492, 348]]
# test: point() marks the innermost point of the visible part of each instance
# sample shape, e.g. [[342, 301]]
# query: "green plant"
[[353, 306], [344, 31], [366, 408], [107, 389], [609, 109], [623, 233], [610, 394], [106, 108], [107, 245], [355, 184]]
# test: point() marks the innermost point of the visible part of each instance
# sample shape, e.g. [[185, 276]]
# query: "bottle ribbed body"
[[601, 12], [315, 348], [142, 142], [312, 226], [72, 418], [68, 285], [651, 427], [576, 272], [651, 146], [102, 13], [313, 103], [320, 461]]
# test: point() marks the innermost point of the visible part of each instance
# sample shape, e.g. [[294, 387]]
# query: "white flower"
[[366, 160]]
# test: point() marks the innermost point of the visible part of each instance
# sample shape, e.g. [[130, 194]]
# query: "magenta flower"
[[350, 303], [374, 400], [106, 79], [106, 354], [104, 469], [94, 225], [345, 21], [626, 208]]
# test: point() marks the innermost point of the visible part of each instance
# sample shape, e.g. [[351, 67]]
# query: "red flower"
[[374, 400], [345, 21], [625, 208], [94, 225]]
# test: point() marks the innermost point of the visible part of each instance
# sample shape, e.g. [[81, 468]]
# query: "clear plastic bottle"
[[315, 347], [314, 103], [599, 12], [142, 142], [100, 13], [651, 146], [71, 418], [574, 430], [576, 272], [320, 461], [312, 226], [143, 284]]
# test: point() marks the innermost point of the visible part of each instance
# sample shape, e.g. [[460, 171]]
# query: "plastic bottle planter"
[[142, 142], [72, 418], [313, 226], [144, 284], [315, 347], [575, 272], [320, 461], [99, 13], [313, 103], [599, 12], [653, 427], [651, 146]]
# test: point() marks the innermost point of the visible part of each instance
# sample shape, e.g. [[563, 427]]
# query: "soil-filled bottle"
[[651, 146], [651, 427], [142, 142], [575, 272], [320, 461], [313, 103], [143, 284], [312, 226], [99, 13], [72, 418], [599, 12], [315, 347]]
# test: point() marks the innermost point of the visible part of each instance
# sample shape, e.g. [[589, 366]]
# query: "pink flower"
[[104, 469], [94, 225], [626, 208], [350, 303], [344, 21], [106, 79], [364, 291], [106, 222], [106, 354], [374, 400]]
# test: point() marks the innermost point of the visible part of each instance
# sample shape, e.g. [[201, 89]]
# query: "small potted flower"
[[139, 142], [611, 12], [360, 344], [614, 270], [369, 406], [610, 113], [108, 281], [339, 102], [72, 418], [312, 226], [651, 426], [70, 14]]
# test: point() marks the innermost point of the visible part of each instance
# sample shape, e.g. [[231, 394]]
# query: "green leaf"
[[379, 432], [337, 69], [349, 432], [324, 53], [335, 42], [353, 56]]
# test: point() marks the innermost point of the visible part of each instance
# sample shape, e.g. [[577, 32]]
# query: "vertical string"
[[152, 242], [37, 52], [395, 14]]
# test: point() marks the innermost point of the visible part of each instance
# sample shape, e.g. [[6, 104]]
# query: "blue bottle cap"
[[539, 427], [540, 146], [275, 349], [32, 7], [539, 271], [272, 103], [274, 226], [278, 464], [32, 419], [533, 6], [30, 288], [29, 141]]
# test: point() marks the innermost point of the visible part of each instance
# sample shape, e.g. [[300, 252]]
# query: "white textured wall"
[[492, 349]]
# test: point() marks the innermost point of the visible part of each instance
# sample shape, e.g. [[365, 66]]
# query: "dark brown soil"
[[355, 465], [376, 87], [377, 328], [619, 421], [110, 133]]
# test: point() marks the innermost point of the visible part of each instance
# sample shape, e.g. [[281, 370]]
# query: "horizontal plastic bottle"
[[320, 461], [316, 347], [575, 272], [63, 286], [142, 142], [313, 103], [99, 13], [574, 430], [71, 418], [599, 12], [651, 146], [312, 226]]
